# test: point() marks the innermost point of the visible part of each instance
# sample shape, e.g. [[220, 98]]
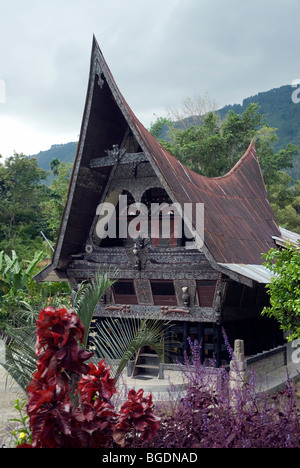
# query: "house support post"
[[200, 338], [218, 344], [218, 304], [185, 339]]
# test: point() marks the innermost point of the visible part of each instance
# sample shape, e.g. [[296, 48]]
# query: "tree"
[[284, 288], [213, 148], [285, 201], [21, 197], [54, 165], [192, 111], [58, 190]]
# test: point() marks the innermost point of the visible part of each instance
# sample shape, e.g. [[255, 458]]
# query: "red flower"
[[57, 346], [93, 426], [49, 410]]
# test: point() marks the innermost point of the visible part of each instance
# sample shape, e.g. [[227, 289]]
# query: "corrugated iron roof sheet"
[[287, 237], [258, 273]]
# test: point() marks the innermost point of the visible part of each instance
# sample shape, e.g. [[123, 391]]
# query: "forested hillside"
[[63, 152], [281, 114]]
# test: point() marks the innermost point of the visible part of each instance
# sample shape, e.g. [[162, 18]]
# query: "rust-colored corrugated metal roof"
[[239, 221]]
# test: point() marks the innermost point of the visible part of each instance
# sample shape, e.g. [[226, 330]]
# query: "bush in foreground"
[[71, 403], [214, 413]]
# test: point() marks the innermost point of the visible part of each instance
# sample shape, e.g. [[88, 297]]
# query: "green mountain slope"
[[64, 152], [281, 113]]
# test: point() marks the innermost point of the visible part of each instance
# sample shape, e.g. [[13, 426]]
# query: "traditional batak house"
[[208, 278]]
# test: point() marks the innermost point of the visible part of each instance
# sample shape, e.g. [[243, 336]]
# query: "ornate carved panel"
[[143, 291]]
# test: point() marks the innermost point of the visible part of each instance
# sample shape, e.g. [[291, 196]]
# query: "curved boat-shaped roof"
[[239, 223]]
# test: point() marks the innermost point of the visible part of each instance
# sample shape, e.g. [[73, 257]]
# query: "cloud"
[[159, 53]]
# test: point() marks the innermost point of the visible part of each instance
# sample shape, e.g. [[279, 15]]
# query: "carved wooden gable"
[[116, 155]]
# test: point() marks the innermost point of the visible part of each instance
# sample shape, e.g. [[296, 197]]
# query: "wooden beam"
[[125, 159], [217, 345]]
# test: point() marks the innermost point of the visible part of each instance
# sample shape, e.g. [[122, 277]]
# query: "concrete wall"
[[268, 361]]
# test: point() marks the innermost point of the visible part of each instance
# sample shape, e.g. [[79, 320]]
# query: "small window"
[[206, 292], [124, 292], [163, 293]]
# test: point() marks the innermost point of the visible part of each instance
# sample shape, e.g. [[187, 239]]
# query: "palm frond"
[[20, 359], [88, 296], [119, 339]]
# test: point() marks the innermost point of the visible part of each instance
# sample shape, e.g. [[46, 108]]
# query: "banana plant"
[[13, 276]]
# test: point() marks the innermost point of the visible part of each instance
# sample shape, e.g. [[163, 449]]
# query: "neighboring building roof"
[[257, 273], [239, 222], [287, 237]]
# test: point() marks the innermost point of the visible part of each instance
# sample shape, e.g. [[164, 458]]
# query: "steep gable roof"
[[239, 222]]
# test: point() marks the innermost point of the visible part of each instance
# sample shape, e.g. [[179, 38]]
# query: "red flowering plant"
[[59, 359], [57, 419], [136, 418], [95, 419]]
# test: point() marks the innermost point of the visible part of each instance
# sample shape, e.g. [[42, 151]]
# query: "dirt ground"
[[9, 392]]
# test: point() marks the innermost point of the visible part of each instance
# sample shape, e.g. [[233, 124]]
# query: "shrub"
[[212, 414], [69, 400]]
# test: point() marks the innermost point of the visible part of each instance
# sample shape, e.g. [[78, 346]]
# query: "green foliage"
[[20, 356], [88, 295], [13, 275], [20, 295], [21, 435], [215, 146], [55, 203], [284, 288], [28, 206], [21, 196], [119, 339]]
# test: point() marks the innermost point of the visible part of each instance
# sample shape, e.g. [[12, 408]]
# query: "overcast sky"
[[159, 51]]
